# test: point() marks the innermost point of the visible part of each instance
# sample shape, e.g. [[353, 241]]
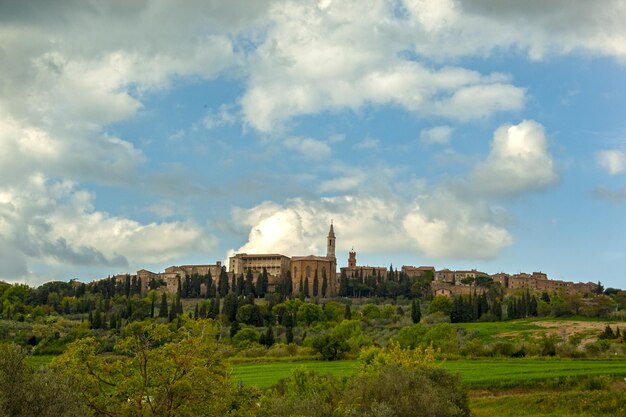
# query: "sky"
[[485, 134]]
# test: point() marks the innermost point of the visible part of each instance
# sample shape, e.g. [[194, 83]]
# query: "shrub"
[[245, 337], [371, 311]]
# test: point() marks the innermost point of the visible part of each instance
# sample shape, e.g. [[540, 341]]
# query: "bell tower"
[[330, 242], [352, 259]]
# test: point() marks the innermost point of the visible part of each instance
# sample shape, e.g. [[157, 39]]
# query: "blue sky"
[[483, 134]]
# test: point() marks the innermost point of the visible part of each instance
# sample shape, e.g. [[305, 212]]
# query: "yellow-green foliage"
[[157, 370], [376, 358]]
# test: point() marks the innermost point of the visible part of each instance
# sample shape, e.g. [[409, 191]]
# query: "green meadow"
[[478, 373]]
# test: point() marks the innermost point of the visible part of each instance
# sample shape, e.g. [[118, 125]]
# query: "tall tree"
[[416, 312], [163, 306], [222, 286], [316, 284]]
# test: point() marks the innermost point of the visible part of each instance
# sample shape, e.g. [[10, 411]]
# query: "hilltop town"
[[317, 275]]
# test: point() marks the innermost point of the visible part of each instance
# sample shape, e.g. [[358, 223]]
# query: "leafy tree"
[[330, 347], [371, 311], [245, 337], [309, 313], [231, 304], [156, 372], [440, 303], [333, 311], [26, 391]]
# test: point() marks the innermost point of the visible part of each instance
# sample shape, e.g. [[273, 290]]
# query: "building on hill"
[[417, 271], [353, 270], [304, 269], [172, 274], [275, 264]]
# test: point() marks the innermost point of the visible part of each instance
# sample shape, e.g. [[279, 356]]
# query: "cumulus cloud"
[[444, 226], [438, 135], [318, 57], [300, 226], [519, 161], [612, 160], [438, 225], [54, 223]]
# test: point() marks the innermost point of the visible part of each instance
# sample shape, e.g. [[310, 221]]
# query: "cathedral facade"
[[316, 275]]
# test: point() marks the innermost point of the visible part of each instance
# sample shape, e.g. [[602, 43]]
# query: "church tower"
[[352, 259], [330, 242]]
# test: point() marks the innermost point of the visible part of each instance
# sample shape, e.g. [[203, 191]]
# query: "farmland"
[[478, 373]]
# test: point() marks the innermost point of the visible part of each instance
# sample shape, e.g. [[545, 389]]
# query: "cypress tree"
[[343, 284], [289, 335], [416, 313], [289, 287], [269, 337], [222, 286], [324, 283], [240, 285], [306, 287], [316, 284], [196, 313], [152, 303], [249, 285], [163, 306], [208, 282], [347, 313], [234, 328]]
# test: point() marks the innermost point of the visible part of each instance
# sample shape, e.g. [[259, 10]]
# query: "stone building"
[[171, 274], [417, 271], [353, 270], [305, 268], [275, 264]]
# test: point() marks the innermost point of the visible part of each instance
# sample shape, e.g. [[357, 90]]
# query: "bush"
[[436, 318], [398, 391], [331, 347], [371, 312], [245, 337]]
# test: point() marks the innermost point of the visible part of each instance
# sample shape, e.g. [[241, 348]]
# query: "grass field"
[[575, 403], [265, 375], [479, 373]]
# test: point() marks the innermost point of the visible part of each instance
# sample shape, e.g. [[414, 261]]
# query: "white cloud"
[[309, 148], [438, 135], [612, 160], [299, 226], [316, 58], [519, 161], [54, 224], [438, 225], [444, 226]]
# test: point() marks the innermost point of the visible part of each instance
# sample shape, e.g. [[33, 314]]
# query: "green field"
[[265, 375], [479, 373]]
